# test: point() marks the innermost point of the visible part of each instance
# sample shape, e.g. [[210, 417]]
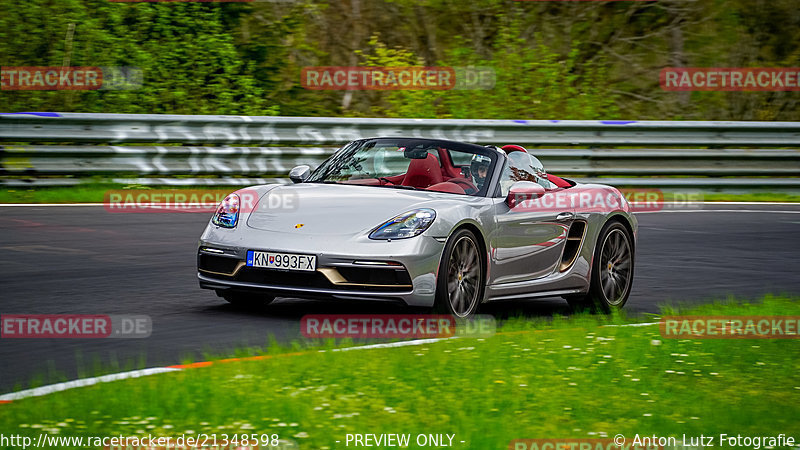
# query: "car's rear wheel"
[[460, 283], [247, 299], [612, 271]]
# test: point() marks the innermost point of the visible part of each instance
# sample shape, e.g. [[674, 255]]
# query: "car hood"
[[334, 209]]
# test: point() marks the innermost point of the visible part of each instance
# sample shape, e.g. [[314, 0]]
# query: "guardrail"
[[70, 148]]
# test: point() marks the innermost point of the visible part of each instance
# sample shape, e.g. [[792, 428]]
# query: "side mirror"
[[299, 174], [523, 190]]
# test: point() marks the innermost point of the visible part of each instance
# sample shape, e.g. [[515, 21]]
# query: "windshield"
[[414, 164], [523, 166]]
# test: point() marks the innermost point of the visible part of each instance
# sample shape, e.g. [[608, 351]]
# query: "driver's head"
[[479, 168]]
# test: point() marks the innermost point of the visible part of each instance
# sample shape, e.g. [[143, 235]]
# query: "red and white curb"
[[58, 387], [83, 382]]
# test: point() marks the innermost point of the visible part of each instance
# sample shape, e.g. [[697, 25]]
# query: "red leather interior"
[[558, 181], [466, 184], [364, 182], [423, 173], [394, 179], [429, 174], [513, 148], [448, 168], [446, 187]]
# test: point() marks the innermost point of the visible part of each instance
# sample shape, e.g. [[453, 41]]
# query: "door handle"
[[565, 216]]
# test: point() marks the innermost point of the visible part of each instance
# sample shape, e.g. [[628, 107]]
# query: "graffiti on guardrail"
[[219, 150]]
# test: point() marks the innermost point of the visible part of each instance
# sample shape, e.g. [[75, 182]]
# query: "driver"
[[478, 169]]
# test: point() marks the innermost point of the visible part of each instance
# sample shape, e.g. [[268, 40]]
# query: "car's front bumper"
[[401, 270]]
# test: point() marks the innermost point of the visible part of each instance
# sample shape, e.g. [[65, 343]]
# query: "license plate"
[[284, 261]]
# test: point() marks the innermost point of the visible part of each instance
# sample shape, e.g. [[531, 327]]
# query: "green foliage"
[[411, 104], [188, 57], [553, 60]]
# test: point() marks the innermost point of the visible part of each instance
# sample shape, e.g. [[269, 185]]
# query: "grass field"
[[89, 193], [567, 378]]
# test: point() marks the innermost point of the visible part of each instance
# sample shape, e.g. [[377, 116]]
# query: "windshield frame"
[[346, 152]]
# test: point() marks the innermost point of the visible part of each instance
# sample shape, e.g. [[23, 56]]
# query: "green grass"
[[751, 197], [568, 378], [85, 193], [94, 193]]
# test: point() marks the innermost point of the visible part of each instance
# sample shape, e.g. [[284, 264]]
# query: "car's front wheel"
[[612, 271], [247, 299], [460, 283]]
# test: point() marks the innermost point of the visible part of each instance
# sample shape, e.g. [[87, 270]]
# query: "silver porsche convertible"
[[425, 222]]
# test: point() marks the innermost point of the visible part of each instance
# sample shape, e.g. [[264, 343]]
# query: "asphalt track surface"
[[84, 260]]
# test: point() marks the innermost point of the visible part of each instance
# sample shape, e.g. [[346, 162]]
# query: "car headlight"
[[406, 225], [227, 212]]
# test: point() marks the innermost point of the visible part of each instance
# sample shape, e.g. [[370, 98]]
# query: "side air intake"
[[573, 245]]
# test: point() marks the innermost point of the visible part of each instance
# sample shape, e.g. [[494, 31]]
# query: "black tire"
[[247, 299], [461, 280], [612, 271]]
